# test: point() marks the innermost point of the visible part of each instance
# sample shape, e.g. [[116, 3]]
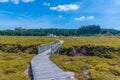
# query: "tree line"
[[82, 31]]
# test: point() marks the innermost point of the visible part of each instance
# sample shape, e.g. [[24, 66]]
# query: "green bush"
[[99, 68]]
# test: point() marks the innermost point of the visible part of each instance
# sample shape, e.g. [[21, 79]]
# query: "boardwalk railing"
[[44, 47], [35, 66], [54, 47]]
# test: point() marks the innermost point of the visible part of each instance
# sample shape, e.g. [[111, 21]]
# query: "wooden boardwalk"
[[44, 69]]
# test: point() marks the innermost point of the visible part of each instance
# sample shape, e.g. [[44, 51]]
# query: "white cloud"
[[46, 4], [90, 17], [2, 1], [16, 1], [26, 1], [82, 18], [65, 7]]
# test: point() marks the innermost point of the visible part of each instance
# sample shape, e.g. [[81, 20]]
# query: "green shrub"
[[99, 68]]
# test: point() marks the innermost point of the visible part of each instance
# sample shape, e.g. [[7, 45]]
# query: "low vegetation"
[[110, 41], [25, 40], [16, 53], [23, 44], [99, 68], [13, 65], [101, 65]]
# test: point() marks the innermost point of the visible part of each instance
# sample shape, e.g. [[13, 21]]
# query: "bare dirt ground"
[[71, 75]]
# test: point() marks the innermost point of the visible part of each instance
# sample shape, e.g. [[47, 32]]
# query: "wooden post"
[[51, 48]]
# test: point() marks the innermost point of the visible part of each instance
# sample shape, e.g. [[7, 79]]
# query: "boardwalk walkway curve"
[[43, 68]]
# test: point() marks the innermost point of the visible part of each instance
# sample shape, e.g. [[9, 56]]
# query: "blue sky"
[[59, 13]]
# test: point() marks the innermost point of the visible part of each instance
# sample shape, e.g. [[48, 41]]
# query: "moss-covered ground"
[[99, 68]]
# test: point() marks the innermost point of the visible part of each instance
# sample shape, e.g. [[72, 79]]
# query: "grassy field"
[[13, 65], [25, 40], [22, 44], [99, 68], [15, 57], [105, 41]]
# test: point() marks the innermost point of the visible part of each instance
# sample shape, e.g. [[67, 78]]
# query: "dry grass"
[[97, 41], [13, 65], [25, 40], [99, 68]]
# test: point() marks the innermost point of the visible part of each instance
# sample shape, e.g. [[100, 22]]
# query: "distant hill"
[[82, 31]]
